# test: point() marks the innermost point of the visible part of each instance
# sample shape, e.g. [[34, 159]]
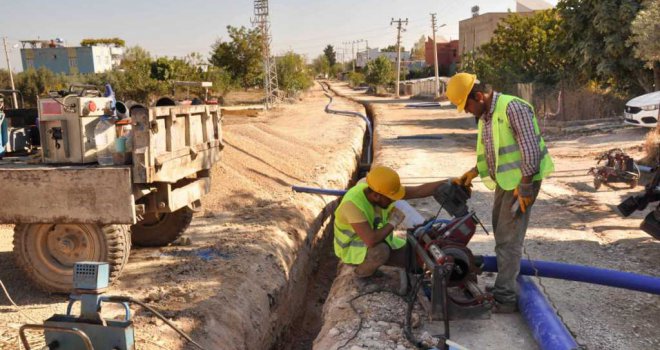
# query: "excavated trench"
[[308, 322]]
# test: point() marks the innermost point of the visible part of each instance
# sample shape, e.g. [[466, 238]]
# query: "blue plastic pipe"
[[548, 331], [581, 273], [351, 113], [314, 190]]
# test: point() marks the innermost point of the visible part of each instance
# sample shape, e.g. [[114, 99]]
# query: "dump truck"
[[67, 208]]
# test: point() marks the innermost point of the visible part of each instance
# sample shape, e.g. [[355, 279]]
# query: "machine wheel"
[[47, 252], [158, 230]]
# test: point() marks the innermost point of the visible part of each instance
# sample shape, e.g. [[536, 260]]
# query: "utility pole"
[[262, 22], [435, 58], [352, 43], [357, 52], [11, 75], [435, 55], [353, 54], [399, 23]]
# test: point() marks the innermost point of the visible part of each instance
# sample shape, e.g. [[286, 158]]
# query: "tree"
[[645, 37], [593, 38], [221, 80], [355, 78], [292, 73], [419, 50], [36, 82], [162, 69], [321, 65], [4, 79], [104, 41], [165, 68], [330, 54], [133, 81], [241, 56], [379, 71], [521, 51], [392, 48]]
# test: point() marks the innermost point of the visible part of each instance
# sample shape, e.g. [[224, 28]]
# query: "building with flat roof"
[[447, 54], [363, 57], [479, 29], [69, 60]]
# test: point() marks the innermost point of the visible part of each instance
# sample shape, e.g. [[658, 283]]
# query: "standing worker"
[[512, 159], [366, 218]]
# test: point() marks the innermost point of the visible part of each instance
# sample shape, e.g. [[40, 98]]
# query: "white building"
[[369, 55]]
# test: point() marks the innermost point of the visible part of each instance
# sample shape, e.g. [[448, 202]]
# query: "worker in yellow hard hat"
[[366, 218], [512, 159]]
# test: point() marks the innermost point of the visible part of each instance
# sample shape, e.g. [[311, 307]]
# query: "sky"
[[177, 28]]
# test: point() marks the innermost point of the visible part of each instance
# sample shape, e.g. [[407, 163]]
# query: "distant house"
[[364, 57], [69, 60], [479, 29], [447, 54]]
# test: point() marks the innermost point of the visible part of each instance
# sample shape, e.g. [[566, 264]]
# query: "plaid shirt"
[[520, 118]]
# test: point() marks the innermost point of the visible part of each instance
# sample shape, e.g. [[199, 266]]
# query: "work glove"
[[525, 195], [396, 217], [466, 179]]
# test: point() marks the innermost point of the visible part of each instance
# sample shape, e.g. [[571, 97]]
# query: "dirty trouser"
[[379, 255], [509, 234]]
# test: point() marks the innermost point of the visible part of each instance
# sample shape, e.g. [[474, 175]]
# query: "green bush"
[[292, 74], [356, 79], [379, 71]]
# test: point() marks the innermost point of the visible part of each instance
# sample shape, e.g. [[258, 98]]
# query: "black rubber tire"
[[597, 184], [163, 230], [111, 244]]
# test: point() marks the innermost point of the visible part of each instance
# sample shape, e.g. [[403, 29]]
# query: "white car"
[[643, 110]]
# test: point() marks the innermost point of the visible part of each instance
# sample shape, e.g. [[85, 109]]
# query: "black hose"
[[123, 299], [407, 327]]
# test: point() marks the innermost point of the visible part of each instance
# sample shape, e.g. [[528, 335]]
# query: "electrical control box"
[[66, 126], [91, 275]]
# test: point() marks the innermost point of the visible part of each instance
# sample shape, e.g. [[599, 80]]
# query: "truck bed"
[[38, 193]]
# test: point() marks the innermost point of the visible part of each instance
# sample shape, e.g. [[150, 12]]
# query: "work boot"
[[504, 308]]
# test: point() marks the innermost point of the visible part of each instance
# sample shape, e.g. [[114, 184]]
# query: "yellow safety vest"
[[507, 151], [348, 245]]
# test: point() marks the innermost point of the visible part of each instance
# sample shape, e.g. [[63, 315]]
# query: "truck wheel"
[[47, 252], [158, 230]]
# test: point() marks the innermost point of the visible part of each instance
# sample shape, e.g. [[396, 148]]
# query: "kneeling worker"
[[366, 218]]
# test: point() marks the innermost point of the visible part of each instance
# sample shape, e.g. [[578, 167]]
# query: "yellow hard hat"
[[458, 89], [385, 181]]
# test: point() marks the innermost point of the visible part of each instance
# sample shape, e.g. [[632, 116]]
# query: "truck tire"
[[47, 252], [158, 230]]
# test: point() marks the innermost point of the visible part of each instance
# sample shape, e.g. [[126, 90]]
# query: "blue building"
[[69, 60]]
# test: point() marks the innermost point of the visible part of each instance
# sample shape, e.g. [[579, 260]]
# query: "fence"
[[564, 103], [424, 87]]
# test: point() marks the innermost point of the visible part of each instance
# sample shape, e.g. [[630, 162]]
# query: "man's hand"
[[525, 195], [396, 217], [466, 179]]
